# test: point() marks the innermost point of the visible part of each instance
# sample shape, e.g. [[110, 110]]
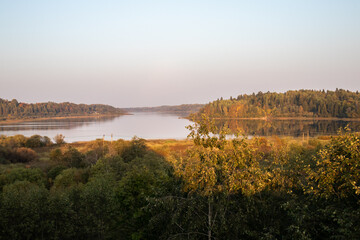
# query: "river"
[[165, 126], [143, 125]]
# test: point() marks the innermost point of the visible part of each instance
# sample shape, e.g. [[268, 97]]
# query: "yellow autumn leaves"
[[238, 165]]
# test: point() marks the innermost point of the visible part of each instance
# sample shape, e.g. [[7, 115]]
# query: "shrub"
[[56, 155], [337, 167], [24, 155], [22, 174], [73, 158], [59, 139], [13, 141], [55, 171], [71, 177], [136, 149], [36, 141]]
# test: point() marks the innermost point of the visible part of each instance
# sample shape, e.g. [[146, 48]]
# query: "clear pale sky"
[[149, 53]]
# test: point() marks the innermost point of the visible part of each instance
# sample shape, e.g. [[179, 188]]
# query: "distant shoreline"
[[9, 121]]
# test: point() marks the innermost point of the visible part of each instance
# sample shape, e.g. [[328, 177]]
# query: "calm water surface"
[[143, 125], [166, 126]]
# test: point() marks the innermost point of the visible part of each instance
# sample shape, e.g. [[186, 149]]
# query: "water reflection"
[[144, 125], [165, 126], [295, 128], [53, 124]]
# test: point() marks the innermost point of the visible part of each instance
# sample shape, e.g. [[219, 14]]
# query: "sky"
[[166, 52]]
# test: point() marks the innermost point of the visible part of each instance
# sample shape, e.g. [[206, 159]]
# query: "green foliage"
[[56, 155], [12, 142], [337, 170], [217, 165], [215, 168], [133, 193], [98, 149], [99, 208], [22, 210], [55, 171], [10, 176], [220, 189], [114, 166], [70, 177], [118, 147], [137, 148], [37, 141], [73, 158], [19, 141], [63, 219]]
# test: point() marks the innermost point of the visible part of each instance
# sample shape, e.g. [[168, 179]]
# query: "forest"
[[291, 104], [15, 110], [206, 187]]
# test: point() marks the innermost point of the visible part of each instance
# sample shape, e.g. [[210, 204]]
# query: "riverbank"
[[11, 121]]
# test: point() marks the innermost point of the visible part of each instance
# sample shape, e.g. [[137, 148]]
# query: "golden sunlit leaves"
[[216, 164], [337, 169]]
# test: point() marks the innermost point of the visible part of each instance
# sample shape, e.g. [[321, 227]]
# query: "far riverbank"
[[11, 121]]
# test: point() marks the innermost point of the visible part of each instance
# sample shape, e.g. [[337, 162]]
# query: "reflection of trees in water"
[[53, 124], [294, 128]]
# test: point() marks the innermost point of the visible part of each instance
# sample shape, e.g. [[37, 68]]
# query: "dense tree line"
[[301, 103], [217, 189], [15, 110]]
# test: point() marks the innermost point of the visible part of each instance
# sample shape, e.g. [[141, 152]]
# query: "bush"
[[4, 155], [337, 167], [73, 158], [71, 177], [55, 171], [22, 174], [59, 139], [13, 141], [22, 211], [136, 149], [23, 155], [56, 155], [36, 141]]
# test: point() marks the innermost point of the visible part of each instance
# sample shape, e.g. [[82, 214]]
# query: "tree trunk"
[[209, 217]]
